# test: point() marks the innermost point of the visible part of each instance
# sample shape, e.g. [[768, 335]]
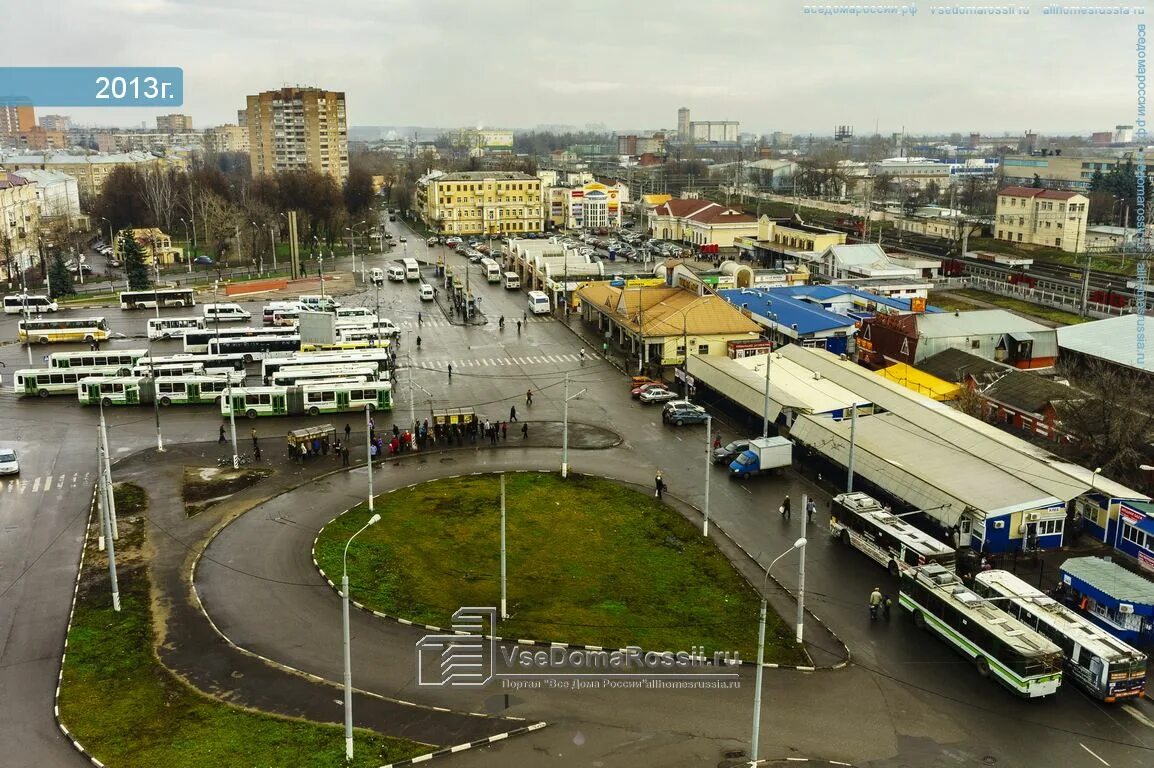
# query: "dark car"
[[202, 259], [727, 453]]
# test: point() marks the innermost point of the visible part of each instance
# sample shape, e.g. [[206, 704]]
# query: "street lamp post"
[[348, 651], [565, 429], [189, 255], [255, 230], [761, 651], [369, 450], [227, 385], [765, 404], [708, 468]]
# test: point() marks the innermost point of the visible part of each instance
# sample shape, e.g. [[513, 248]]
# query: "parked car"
[[657, 395], [681, 415], [403, 240], [638, 391], [82, 268], [728, 452], [203, 260], [8, 462]]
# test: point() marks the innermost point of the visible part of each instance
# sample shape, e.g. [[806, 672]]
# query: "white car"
[[657, 395], [8, 463]]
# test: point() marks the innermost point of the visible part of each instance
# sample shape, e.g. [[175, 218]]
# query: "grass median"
[[130, 712], [1021, 307], [589, 562]]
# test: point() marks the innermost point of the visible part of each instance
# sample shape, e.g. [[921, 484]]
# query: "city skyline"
[[445, 63]]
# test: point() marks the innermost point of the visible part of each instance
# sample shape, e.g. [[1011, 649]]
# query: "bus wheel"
[[893, 568], [106, 401], [845, 537], [141, 305], [983, 666], [247, 359], [166, 401], [89, 338], [43, 339], [166, 336], [314, 411], [250, 413], [919, 620], [43, 393]]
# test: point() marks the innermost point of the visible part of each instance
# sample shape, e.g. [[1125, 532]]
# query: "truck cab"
[[764, 454]]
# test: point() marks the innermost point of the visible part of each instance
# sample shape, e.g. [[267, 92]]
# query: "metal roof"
[[791, 387], [979, 322], [1114, 339], [1111, 578], [808, 317]]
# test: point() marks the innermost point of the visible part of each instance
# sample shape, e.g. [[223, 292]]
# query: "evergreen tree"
[[1037, 181], [60, 277], [1097, 181], [134, 267]]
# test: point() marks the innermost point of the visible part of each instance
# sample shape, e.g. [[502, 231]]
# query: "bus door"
[[342, 400], [193, 392], [278, 405], [383, 396], [131, 395], [93, 393]]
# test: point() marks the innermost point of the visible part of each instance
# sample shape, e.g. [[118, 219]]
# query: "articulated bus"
[[312, 399], [308, 373], [256, 347], [43, 382], [120, 357], [196, 342], [213, 364], [166, 390], [360, 314], [380, 357], [160, 297], [1000, 646], [1100, 663], [173, 327], [49, 331], [862, 523], [193, 390]]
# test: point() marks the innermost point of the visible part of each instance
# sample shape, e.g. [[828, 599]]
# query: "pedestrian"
[[450, 371], [220, 440], [512, 413], [419, 319], [348, 432], [504, 430], [583, 356], [396, 430], [518, 327], [528, 397], [254, 438], [605, 349], [784, 509], [887, 604], [810, 509], [524, 430], [716, 442], [345, 454], [304, 451], [256, 451], [418, 342], [525, 316], [875, 603], [659, 485]]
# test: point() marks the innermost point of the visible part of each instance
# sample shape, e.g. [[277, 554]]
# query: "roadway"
[[914, 701]]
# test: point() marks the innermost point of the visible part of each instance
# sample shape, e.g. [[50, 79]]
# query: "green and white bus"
[[213, 364], [120, 357], [310, 399], [308, 373], [192, 390], [256, 347], [380, 357], [116, 390], [153, 369], [1000, 646], [43, 382]]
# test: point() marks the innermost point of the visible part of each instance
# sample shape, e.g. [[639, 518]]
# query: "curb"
[[555, 644], [467, 746]]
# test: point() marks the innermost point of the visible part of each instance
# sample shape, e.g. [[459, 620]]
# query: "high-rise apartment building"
[[298, 128], [16, 119], [174, 123], [56, 122], [683, 123]]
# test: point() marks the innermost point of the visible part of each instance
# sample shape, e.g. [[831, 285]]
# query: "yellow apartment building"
[[480, 203], [1042, 217]]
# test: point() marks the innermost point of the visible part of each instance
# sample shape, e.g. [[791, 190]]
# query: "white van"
[[226, 312], [20, 303], [512, 280], [396, 273], [426, 292], [538, 303], [317, 303], [377, 276]]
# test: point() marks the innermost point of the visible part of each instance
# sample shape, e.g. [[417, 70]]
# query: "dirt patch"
[[202, 487]]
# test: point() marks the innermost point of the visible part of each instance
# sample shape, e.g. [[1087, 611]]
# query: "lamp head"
[[799, 543], [375, 519]]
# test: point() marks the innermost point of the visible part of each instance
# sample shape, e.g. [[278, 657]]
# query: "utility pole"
[[106, 468], [504, 591], [852, 436], [109, 506]]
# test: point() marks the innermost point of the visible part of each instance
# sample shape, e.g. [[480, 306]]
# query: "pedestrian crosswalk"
[[437, 322], [501, 361], [45, 484]]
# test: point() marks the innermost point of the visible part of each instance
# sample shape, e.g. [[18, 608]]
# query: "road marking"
[[1100, 760], [23, 485], [48, 484], [1134, 713], [36, 485]]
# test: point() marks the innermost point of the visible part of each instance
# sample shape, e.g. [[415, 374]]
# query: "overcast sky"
[[624, 64]]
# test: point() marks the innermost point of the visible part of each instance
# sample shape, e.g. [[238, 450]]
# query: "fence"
[[1055, 299]]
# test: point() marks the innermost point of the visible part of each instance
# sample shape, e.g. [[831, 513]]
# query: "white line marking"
[[1100, 760], [48, 484], [1134, 713], [36, 485]]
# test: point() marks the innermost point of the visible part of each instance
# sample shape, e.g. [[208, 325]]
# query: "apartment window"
[[1057, 242], [1019, 237], [703, 349], [1050, 527], [680, 351]]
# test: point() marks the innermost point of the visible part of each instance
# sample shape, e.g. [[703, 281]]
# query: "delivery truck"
[[763, 454]]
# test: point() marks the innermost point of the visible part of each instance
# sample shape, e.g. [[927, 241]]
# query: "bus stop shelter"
[[1112, 597]]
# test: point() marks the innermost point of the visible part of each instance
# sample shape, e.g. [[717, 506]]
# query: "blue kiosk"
[[1112, 597]]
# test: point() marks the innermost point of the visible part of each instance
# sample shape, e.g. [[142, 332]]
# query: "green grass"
[[951, 303], [130, 712], [130, 499], [1076, 261], [589, 562], [89, 298], [1022, 307]]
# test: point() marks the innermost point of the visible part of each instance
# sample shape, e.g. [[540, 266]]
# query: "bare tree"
[[1113, 424], [159, 194], [217, 221], [970, 402]]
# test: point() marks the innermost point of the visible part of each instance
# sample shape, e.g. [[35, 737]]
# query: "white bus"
[[288, 317], [20, 303], [118, 390], [378, 357], [121, 357], [1106, 667], [43, 382], [539, 303], [512, 280], [256, 347], [213, 364], [999, 645], [373, 337], [355, 313], [269, 314], [296, 374], [153, 369], [310, 399], [173, 327], [196, 342], [159, 297], [412, 269], [492, 270], [862, 523], [57, 330], [192, 390]]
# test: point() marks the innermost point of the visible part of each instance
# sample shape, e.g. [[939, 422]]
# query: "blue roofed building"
[[823, 316]]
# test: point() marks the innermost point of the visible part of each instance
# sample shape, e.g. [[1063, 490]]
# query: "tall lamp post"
[[191, 248], [565, 429], [348, 652], [768, 363], [761, 650]]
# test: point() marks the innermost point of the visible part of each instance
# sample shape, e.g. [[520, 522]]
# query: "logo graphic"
[[462, 658]]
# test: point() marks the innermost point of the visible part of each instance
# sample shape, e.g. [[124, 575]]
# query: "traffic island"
[[590, 562], [120, 706], [202, 487]]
